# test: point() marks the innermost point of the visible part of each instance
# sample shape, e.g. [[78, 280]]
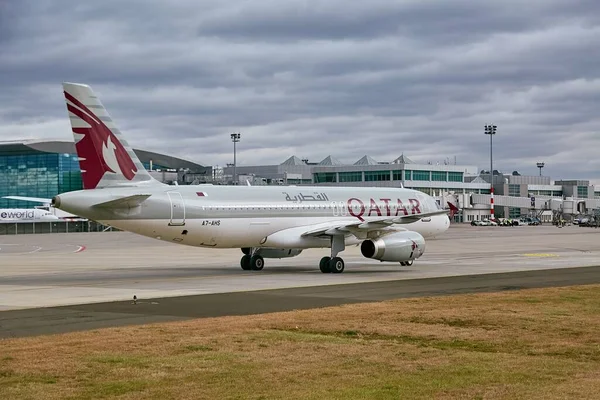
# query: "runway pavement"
[[87, 281]]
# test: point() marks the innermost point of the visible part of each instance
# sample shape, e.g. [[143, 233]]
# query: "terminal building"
[[464, 186], [46, 168]]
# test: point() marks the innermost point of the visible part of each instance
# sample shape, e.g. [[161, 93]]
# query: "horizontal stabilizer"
[[124, 202], [32, 199]]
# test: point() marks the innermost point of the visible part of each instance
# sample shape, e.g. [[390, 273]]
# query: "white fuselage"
[[247, 216], [250, 232]]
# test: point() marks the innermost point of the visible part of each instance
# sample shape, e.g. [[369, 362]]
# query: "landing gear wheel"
[[257, 263], [403, 263], [336, 265], [408, 263], [324, 265], [245, 262]]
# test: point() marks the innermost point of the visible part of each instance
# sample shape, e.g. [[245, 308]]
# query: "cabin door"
[[177, 209]]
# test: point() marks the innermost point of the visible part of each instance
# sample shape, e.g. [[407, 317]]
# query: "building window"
[[421, 176], [37, 175], [428, 191], [455, 176], [514, 190], [556, 193], [408, 175], [372, 176], [438, 176], [484, 191], [355, 176], [397, 175], [324, 177], [582, 192], [514, 212]]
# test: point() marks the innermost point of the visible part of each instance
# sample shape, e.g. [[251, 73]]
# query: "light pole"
[[491, 130], [540, 165], [235, 137]]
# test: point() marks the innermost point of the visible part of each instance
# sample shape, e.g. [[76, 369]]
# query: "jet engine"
[[399, 247], [274, 253]]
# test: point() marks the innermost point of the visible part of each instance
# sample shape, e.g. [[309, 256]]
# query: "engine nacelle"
[[274, 253], [399, 247]]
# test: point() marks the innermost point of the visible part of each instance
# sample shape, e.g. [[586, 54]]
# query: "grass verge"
[[524, 344]]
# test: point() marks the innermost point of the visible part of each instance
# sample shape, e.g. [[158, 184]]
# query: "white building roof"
[[330, 160], [293, 160], [366, 160]]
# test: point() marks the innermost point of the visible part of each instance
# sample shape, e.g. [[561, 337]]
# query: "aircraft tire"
[[257, 263], [324, 265], [408, 263], [245, 262], [403, 263], [336, 265]]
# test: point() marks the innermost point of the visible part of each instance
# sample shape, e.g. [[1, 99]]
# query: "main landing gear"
[[334, 264], [251, 261], [406, 263]]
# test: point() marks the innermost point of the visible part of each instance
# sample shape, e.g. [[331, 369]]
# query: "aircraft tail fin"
[[105, 157], [453, 209]]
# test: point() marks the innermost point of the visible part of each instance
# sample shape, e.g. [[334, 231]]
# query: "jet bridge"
[[568, 206]]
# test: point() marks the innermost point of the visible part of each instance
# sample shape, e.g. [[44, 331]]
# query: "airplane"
[[46, 204], [25, 215], [389, 224]]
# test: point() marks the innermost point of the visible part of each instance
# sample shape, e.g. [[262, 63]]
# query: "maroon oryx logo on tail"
[[99, 150]]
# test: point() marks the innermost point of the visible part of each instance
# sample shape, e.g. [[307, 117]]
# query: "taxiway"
[[63, 282]]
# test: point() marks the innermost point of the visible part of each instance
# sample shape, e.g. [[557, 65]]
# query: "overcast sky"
[[313, 78]]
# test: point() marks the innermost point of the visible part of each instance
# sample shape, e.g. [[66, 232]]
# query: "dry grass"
[[526, 344]]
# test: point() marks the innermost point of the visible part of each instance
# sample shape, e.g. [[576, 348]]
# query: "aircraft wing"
[[32, 199], [361, 229]]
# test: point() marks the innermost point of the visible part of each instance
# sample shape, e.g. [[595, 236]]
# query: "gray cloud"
[[313, 79]]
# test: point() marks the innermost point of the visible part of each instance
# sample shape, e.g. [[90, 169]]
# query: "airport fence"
[[25, 228]]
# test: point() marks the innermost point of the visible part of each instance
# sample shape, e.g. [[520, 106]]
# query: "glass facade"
[[514, 190], [421, 176], [439, 176], [354, 176], [373, 176], [455, 176], [428, 191], [323, 177], [37, 175], [514, 212], [393, 175], [582, 192]]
